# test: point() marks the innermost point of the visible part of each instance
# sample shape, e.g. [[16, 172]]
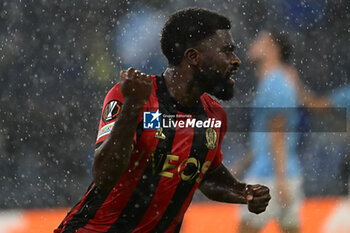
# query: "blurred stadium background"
[[59, 58]]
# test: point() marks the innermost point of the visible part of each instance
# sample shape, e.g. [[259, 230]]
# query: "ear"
[[192, 56]]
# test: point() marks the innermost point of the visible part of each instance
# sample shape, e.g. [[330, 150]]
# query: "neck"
[[268, 65], [178, 81]]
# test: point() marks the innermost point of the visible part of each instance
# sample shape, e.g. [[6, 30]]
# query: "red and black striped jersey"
[[166, 166]]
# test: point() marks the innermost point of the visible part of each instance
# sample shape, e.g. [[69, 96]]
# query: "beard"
[[213, 82]]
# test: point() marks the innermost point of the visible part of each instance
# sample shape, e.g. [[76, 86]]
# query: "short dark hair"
[[186, 28], [283, 42]]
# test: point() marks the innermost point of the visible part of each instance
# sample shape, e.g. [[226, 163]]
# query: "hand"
[[258, 197], [135, 86]]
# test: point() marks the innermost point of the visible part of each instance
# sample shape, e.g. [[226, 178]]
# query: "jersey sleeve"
[[341, 97], [219, 155], [112, 105]]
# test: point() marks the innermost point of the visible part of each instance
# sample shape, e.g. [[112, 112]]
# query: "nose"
[[235, 61]]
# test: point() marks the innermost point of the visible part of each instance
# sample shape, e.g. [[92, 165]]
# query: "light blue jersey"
[[340, 98], [275, 96]]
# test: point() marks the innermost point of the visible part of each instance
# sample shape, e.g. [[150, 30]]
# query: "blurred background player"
[[273, 157]]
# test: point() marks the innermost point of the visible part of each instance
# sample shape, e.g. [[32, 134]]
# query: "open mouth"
[[231, 73]]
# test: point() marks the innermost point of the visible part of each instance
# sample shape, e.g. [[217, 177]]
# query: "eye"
[[229, 49], [229, 52]]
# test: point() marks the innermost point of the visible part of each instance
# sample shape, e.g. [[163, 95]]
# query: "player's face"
[[261, 47], [219, 65]]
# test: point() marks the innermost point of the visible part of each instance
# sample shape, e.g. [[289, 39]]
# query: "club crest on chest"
[[211, 137]]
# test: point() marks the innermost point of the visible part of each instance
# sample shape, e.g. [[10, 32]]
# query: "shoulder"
[[210, 102], [340, 97], [213, 106], [276, 90], [116, 93], [275, 78], [280, 79]]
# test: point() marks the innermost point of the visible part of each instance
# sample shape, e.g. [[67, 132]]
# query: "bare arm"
[[220, 185], [113, 156], [279, 156]]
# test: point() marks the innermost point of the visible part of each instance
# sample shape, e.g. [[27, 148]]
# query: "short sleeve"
[[219, 154], [111, 108], [341, 97], [217, 159]]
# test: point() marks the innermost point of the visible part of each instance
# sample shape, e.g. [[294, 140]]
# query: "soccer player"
[[273, 140], [144, 172]]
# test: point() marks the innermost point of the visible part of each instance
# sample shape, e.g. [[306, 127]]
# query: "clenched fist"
[[135, 86], [258, 197]]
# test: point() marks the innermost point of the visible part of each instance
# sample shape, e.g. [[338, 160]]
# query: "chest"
[[183, 147]]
